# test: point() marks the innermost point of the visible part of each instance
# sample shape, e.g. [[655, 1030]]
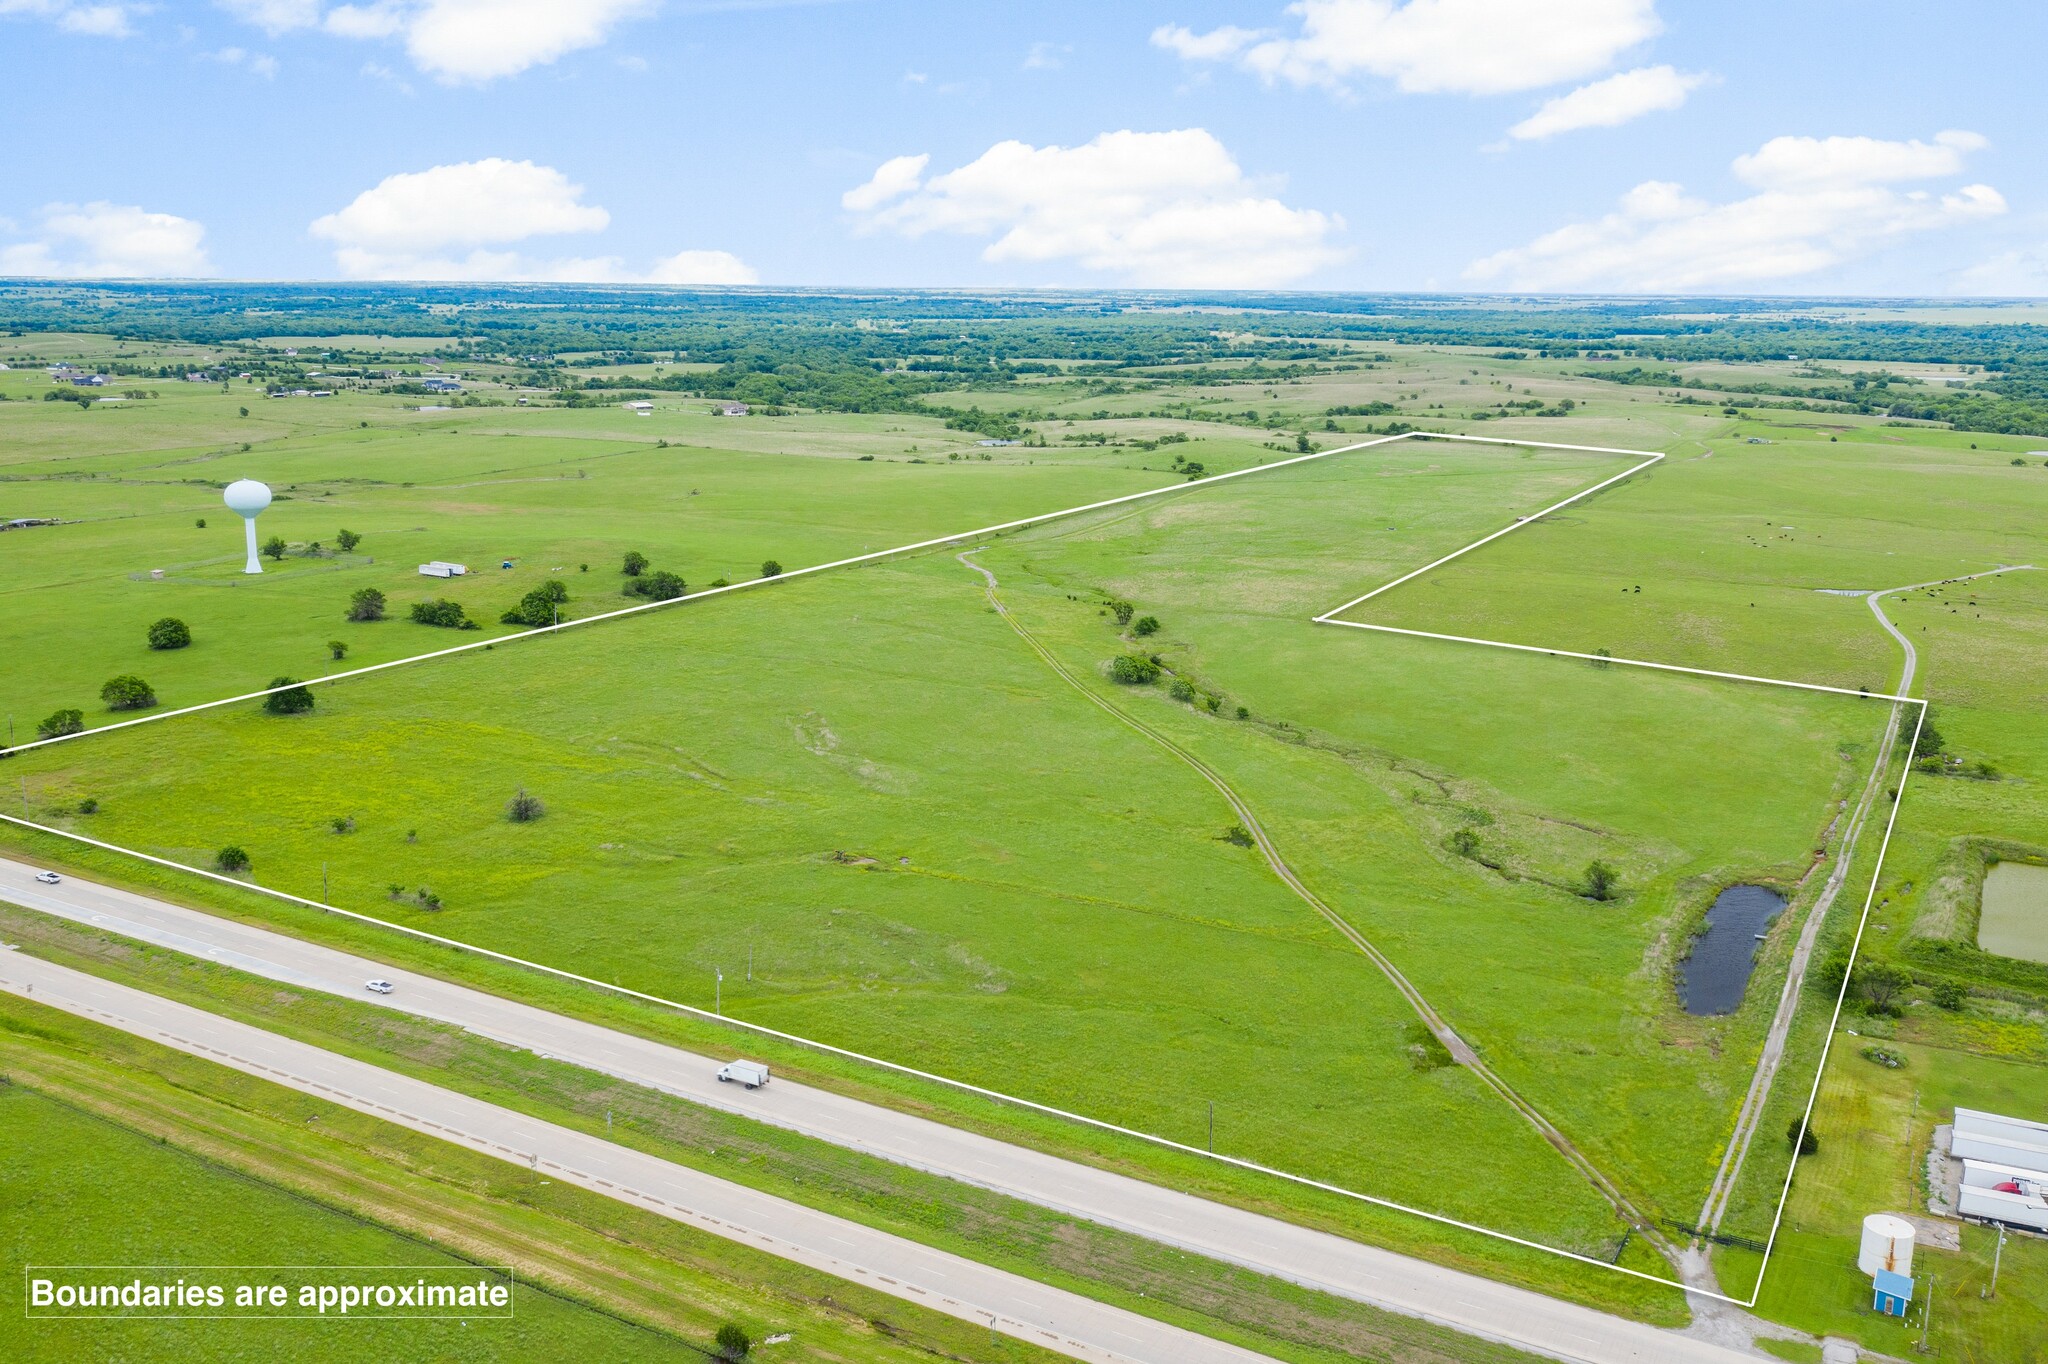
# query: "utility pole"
[[718, 994], [750, 963], [1996, 1256], [1212, 1127], [324, 898], [1927, 1315]]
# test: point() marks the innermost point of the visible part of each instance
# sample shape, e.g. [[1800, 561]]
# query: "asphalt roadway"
[[1413, 1287]]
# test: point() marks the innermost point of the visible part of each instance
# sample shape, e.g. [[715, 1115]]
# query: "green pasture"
[[931, 849]]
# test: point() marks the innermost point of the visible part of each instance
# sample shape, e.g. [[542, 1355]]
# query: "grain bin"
[[1887, 1245]]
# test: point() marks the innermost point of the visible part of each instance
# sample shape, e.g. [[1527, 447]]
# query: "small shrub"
[[294, 699], [343, 824], [200, 523], [1123, 611], [127, 692], [771, 569], [366, 603], [524, 808], [231, 859], [169, 633], [1601, 881], [1146, 625], [274, 547], [440, 611], [1949, 995], [1133, 670], [1465, 843], [1799, 1139], [721, 582], [733, 1341], [89, 806], [61, 723], [1182, 690], [1244, 712], [337, 649], [635, 564]]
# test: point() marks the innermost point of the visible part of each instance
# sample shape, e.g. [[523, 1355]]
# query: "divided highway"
[[1011, 1303], [1413, 1287]]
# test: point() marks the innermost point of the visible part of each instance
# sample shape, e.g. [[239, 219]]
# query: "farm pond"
[[1714, 975]]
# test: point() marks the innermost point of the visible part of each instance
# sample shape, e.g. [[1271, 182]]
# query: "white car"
[[378, 987], [48, 878]]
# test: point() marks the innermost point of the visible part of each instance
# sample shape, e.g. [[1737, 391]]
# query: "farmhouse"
[[434, 383], [732, 409]]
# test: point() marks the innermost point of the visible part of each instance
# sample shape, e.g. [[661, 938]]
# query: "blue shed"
[[1892, 1295]]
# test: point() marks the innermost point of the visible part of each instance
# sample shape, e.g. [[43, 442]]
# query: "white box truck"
[[752, 1074]]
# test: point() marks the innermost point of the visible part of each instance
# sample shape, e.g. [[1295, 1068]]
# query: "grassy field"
[[871, 805]]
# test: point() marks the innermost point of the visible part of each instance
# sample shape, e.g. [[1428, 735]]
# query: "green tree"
[[231, 858], [524, 807], [245, 411], [1799, 1138], [660, 585], [635, 565], [1194, 469], [1123, 611], [1881, 983], [348, 540], [1930, 744], [1601, 881], [1147, 625], [366, 603], [1302, 443], [61, 723], [169, 633], [440, 611], [1947, 994], [293, 700], [1133, 670], [274, 547], [337, 649], [733, 1342], [771, 569], [127, 692], [538, 607]]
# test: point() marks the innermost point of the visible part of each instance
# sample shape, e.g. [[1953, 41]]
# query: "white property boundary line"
[[1648, 458]]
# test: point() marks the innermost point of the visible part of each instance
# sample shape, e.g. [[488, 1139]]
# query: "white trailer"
[[1999, 1140], [1995, 1205]]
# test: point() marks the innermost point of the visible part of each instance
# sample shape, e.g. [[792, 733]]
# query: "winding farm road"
[[1267, 1245], [1773, 1053]]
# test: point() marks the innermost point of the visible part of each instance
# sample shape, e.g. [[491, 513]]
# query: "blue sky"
[[1818, 146]]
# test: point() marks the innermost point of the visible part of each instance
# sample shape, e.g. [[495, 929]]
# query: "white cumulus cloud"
[[455, 40], [464, 222], [94, 20], [1165, 209], [1819, 202], [1473, 47], [1611, 102], [103, 241]]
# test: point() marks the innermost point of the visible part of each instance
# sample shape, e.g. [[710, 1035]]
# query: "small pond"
[[2014, 919], [1711, 980]]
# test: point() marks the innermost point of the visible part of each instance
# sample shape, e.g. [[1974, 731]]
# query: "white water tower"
[[246, 497]]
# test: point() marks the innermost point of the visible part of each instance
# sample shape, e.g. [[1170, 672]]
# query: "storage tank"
[[1887, 1244]]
